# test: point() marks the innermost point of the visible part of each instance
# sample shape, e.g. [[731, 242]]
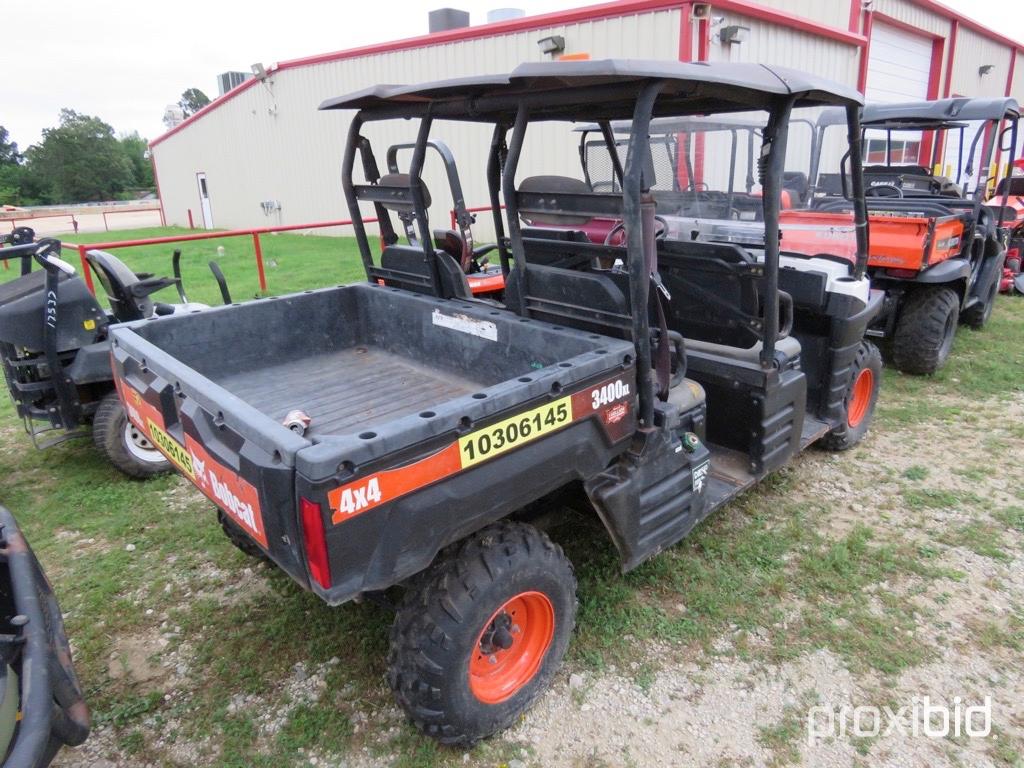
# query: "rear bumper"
[[53, 711]]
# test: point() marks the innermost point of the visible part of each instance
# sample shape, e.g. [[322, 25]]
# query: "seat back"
[[117, 280], [553, 185], [406, 266]]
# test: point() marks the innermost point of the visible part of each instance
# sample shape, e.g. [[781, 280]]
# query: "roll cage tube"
[[860, 211], [508, 186], [495, 161], [637, 158], [772, 163], [463, 218]]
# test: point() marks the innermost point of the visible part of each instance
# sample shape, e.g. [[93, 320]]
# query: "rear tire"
[[481, 633], [240, 539], [925, 330], [978, 315], [123, 443], [859, 402]]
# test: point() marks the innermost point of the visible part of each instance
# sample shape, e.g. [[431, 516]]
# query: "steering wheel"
[[661, 234], [871, 191]]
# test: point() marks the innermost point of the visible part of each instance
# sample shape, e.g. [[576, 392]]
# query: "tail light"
[[1012, 253], [316, 543]]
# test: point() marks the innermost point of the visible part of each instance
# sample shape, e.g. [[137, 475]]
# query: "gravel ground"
[[731, 705]]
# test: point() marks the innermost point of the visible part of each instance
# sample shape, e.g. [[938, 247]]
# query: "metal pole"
[[86, 272], [860, 211], [259, 261]]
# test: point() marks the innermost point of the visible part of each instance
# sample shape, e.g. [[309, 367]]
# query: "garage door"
[[899, 65]]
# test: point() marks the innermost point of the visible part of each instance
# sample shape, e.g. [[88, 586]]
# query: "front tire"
[[925, 330], [481, 633], [859, 402], [124, 445]]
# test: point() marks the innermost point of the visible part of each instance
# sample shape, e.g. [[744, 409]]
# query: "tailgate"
[[912, 242], [238, 457]]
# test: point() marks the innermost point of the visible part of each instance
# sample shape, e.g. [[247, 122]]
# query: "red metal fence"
[[253, 233]]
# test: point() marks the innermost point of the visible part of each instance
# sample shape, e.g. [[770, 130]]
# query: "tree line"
[[80, 160]]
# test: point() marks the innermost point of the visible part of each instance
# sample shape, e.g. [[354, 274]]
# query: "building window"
[[901, 152]]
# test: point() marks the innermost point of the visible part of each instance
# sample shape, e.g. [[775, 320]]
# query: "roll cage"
[[939, 116], [597, 92]]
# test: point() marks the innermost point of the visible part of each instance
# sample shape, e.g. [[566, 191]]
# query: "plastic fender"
[[947, 271]]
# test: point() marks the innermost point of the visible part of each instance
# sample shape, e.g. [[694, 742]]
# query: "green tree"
[[9, 154], [80, 160], [135, 150], [192, 100]]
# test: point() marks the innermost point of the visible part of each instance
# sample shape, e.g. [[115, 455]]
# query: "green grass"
[[761, 572], [292, 262]]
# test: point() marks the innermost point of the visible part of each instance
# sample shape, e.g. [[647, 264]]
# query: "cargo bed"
[[403, 391]]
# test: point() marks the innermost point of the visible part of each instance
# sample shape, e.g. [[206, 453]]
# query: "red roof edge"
[[586, 13]]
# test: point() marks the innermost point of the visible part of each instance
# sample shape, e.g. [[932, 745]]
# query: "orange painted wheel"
[[860, 397], [511, 647]]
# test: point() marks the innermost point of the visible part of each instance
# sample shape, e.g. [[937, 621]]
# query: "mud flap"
[[651, 498]]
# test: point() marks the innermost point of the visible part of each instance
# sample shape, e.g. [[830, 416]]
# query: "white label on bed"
[[466, 324]]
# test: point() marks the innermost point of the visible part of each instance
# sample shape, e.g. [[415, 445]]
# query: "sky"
[[125, 61]]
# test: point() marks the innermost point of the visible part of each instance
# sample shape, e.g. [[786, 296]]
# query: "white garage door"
[[899, 65]]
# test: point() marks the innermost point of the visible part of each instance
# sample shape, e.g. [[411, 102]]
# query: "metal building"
[[262, 155]]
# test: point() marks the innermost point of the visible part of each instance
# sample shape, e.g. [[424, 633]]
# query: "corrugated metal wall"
[[271, 143], [972, 52], [914, 15], [834, 13]]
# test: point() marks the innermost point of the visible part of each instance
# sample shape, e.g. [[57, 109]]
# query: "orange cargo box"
[[913, 242]]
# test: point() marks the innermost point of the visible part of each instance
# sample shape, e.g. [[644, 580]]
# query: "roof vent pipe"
[[504, 14], [444, 19]]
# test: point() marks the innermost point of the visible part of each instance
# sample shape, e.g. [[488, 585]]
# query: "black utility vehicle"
[[55, 349], [658, 389]]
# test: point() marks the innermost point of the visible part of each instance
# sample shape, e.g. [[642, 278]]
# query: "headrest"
[[402, 181], [553, 185]]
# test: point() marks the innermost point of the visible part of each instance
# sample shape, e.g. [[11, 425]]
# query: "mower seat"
[[129, 295]]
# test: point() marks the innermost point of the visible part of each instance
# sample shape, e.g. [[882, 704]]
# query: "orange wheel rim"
[[860, 397], [511, 647]]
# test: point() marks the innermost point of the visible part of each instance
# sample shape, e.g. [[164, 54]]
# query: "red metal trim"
[[1010, 73], [865, 52], [747, 8], [855, 6], [86, 272], [703, 50], [952, 15], [954, 29], [934, 76], [686, 32], [894, 22]]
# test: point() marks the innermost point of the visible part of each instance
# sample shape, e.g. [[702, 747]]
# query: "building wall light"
[[984, 69], [552, 45], [734, 34]]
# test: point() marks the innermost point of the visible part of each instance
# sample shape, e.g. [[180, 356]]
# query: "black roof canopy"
[[928, 115], [568, 90]]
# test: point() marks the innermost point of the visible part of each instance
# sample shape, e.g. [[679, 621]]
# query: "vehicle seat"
[[1012, 185], [409, 269], [117, 281], [795, 182], [789, 346], [553, 185]]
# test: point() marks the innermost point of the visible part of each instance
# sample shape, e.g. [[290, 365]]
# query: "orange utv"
[[936, 248]]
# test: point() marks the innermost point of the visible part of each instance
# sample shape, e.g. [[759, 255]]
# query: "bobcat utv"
[[660, 389], [41, 703], [56, 353], [937, 249]]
